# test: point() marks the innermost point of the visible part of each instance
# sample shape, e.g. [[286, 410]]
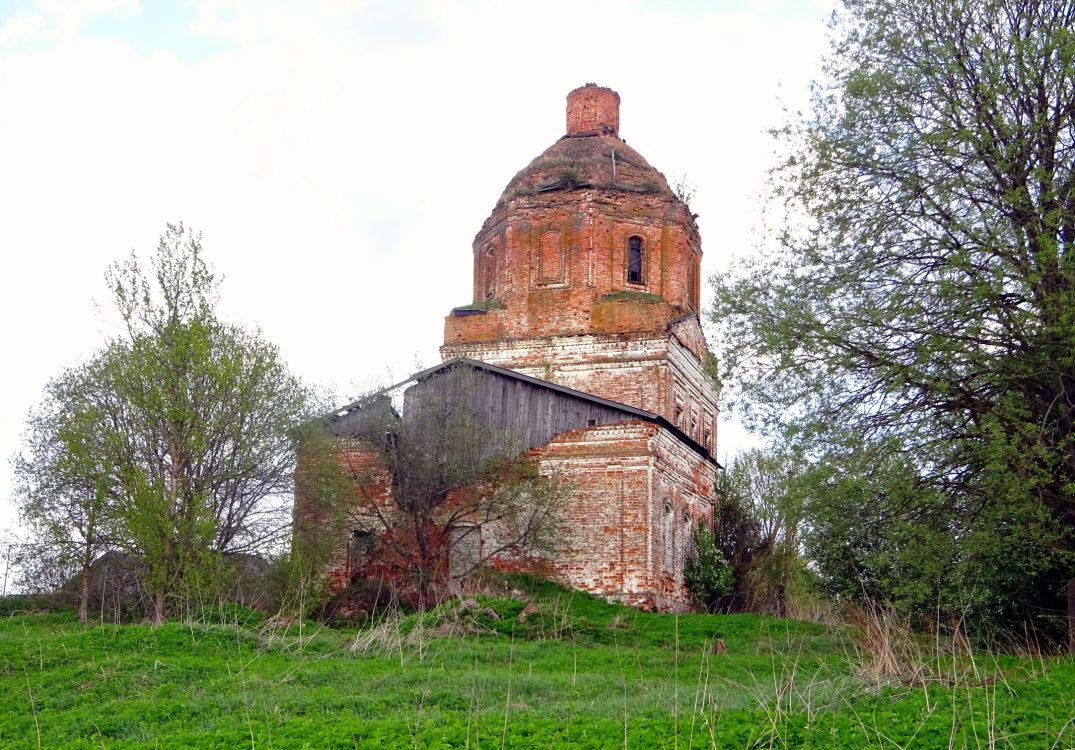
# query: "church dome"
[[588, 239], [591, 154]]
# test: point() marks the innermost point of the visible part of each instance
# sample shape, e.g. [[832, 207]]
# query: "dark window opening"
[[359, 548], [591, 422], [489, 273], [634, 260]]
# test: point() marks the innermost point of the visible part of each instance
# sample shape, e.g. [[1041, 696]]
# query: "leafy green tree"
[[706, 572], [180, 430], [757, 523], [923, 299], [65, 484]]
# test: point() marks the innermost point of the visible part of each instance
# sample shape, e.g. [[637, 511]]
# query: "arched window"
[[634, 260], [551, 257], [465, 550], [489, 273], [359, 548], [669, 538], [685, 544]]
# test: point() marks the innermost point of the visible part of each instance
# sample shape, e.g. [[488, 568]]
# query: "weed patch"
[[519, 664]]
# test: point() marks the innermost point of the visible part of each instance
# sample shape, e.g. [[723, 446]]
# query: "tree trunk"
[[87, 568], [1071, 616], [84, 593], [157, 618]]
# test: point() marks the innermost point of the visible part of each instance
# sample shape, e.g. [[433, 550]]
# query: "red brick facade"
[[593, 108], [587, 275], [638, 493], [556, 296]]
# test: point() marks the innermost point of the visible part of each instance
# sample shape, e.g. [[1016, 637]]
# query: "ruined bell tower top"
[[593, 108]]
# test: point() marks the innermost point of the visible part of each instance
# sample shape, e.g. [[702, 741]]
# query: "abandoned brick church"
[[585, 339]]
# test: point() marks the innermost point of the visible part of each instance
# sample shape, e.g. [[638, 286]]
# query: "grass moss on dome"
[[478, 307], [630, 295]]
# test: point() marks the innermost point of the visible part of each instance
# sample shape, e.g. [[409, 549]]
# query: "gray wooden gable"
[[520, 411]]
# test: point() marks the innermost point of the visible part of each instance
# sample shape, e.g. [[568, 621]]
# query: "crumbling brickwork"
[[586, 275], [627, 479]]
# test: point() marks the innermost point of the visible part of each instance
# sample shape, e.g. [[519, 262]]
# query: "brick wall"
[[550, 259], [592, 108], [550, 265], [623, 478]]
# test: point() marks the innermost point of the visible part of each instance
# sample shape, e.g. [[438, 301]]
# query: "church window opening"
[[489, 274], [359, 548], [669, 538], [551, 258], [464, 554], [634, 260], [686, 534]]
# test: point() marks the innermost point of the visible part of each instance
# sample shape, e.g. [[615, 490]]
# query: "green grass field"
[[577, 673]]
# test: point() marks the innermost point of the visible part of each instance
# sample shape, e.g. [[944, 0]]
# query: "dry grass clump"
[[887, 652]]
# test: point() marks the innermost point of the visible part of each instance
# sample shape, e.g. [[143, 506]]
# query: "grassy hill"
[[549, 669]]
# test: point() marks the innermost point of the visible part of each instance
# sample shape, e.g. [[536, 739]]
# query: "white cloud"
[[21, 27], [339, 157], [69, 16]]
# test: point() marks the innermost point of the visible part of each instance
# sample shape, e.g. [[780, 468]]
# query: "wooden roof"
[[533, 409]]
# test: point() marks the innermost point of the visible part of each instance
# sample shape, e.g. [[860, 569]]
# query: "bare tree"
[[438, 492]]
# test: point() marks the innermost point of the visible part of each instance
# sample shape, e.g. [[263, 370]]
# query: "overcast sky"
[[339, 157]]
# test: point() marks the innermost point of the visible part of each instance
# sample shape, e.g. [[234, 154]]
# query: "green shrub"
[[229, 613], [706, 573], [570, 177], [21, 604]]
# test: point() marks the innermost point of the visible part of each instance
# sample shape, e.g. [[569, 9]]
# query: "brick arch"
[[550, 257], [489, 266], [668, 528]]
